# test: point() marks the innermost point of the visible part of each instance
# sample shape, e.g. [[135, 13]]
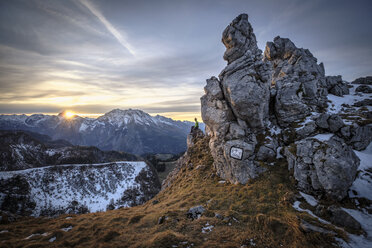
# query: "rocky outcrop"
[[323, 167], [236, 105], [363, 80], [260, 104], [336, 86], [300, 85]]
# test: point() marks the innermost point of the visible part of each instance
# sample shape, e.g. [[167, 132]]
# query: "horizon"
[[97, 115], [90, 56]]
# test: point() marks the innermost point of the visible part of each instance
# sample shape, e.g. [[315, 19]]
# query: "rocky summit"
[[265, 106]]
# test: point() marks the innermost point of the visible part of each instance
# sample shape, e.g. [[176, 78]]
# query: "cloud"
[[108, 26]]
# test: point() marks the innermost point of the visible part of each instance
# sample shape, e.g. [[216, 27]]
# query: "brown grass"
[[260, 211]]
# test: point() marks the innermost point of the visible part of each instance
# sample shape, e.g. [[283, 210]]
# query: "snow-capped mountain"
[[77, 188], [132, 131]]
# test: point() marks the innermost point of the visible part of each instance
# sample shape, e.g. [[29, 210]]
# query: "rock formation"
[[300, 85], [236, 105], [262, 103], [323, 166]]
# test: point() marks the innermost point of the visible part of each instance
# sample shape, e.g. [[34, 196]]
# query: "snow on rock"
[[296, 205], [323, 136], [362, 186], [336, 102], [309, 199], [359, 241], [77, 188]]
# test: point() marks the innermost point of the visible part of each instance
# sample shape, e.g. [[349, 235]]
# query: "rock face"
[[336, 86], [323, 166], [299, 81], [236, 105], [260, 104]]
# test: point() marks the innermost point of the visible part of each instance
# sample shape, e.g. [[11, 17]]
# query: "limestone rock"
[[365, 102], [236, 105], [238, 38], [246, 79], [299, 81], [195, 212], [363, 89], [330, 122], [195, 134], [361, 136], [363, 80], [323, 166], [336, 86], [341, 218]]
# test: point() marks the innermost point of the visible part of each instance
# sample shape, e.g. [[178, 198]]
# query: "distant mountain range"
[[131, 131]]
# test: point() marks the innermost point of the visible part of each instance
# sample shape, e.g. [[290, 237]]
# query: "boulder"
[[336, 86], [363, 89], [195, 212], [341, 218], [330, 122], [361, 136], [323, 167]]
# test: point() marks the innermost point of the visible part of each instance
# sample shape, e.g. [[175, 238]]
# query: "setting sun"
[[69, 114]]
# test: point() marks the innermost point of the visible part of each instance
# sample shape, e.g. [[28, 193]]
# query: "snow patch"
[[207, 228], [66, 229], [323, 136], [309, 199], [363, 183]]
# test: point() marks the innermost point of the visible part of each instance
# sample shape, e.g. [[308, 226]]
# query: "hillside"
[[77, 188], [22, 150], [131, 131], [258, 214]]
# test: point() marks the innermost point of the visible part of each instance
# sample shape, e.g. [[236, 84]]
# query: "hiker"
[[196, 126]]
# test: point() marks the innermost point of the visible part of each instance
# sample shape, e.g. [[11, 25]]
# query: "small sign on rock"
[[236, 152]]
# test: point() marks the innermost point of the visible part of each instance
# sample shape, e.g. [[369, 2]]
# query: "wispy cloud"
[[108, 26]]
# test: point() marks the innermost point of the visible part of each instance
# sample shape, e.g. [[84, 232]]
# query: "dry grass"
[[260, 211]]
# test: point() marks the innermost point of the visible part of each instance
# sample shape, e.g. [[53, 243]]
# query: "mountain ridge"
[[133, 131]]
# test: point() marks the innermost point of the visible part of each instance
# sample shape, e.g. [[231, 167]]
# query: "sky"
[[91, 56]]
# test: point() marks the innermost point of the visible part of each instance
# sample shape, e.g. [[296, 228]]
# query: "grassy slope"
[[260, 210]]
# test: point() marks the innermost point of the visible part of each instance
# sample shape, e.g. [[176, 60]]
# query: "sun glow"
[[69, 114]]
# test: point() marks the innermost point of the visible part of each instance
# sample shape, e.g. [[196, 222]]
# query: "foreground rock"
[[323, 167], [236, 105]]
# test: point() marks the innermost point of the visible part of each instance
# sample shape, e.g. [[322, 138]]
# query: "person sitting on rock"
[[196, 126]]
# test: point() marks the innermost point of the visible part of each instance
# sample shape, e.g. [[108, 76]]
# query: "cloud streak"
[[108, 26]]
